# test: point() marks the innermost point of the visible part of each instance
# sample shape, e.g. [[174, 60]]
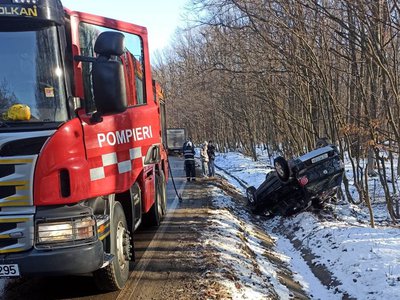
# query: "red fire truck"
[[82, 161]]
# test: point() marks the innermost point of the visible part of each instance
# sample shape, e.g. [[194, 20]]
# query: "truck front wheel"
[[114, 276]]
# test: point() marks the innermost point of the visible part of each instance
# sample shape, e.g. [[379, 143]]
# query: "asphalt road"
[[150, 245]]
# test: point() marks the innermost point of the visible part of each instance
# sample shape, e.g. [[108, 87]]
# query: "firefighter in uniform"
[[190, 167]]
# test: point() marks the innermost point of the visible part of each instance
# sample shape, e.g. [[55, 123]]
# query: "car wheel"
[[282, 168], [255, 207], [250, 195]]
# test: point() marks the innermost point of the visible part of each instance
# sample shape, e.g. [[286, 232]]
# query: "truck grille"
[[25, 146], [16, 233], [16, 177], [18, 155], [6, 170], [16, 198]]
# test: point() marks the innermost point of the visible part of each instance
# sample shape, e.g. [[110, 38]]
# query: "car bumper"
[[66, 261]]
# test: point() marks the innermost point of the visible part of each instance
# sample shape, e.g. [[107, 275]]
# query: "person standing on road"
[[204, 159], [189, 139], [211, 158], [190, 167]]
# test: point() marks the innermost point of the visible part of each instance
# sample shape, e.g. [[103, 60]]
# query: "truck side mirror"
[[108, 74]]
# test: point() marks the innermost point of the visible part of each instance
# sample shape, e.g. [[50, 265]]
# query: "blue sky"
[[161, 17]]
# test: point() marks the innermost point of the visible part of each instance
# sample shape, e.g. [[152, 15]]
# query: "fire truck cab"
[[82, 161]]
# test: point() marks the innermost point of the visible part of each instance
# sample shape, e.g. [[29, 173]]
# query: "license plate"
[[9, 270], [319, 158]]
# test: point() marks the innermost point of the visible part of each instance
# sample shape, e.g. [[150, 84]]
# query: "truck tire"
[[154, 215], [114, 276], [282, 168], [163, 193]]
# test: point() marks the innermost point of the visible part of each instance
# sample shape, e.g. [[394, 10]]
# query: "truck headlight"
[[66, 231]]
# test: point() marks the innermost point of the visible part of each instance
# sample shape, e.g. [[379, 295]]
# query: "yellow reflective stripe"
[[5, 236], [21, 182], [102, 237], [14, 220], [15, 161], [11, 250], [22, 187], [14, 203], [103, 230], [16, 198]]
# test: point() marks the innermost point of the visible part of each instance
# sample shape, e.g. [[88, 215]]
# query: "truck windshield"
[[31, 74]]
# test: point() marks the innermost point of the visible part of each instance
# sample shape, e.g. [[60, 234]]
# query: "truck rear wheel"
[[163, 193], [114, 276], [154, 215]]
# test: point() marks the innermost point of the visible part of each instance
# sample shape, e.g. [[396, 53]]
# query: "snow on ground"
[[241, 253], [363, 262]]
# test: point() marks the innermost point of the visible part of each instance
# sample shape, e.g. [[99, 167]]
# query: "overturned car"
[[294, 185]]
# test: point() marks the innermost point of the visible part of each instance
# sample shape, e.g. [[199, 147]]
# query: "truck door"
[[117, 145]]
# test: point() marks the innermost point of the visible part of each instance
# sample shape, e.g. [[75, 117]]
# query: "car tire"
[[250, 195], [282, 168], [255, 208], [114, 276]]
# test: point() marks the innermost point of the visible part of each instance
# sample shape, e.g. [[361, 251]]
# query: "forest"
[[282, 74]]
